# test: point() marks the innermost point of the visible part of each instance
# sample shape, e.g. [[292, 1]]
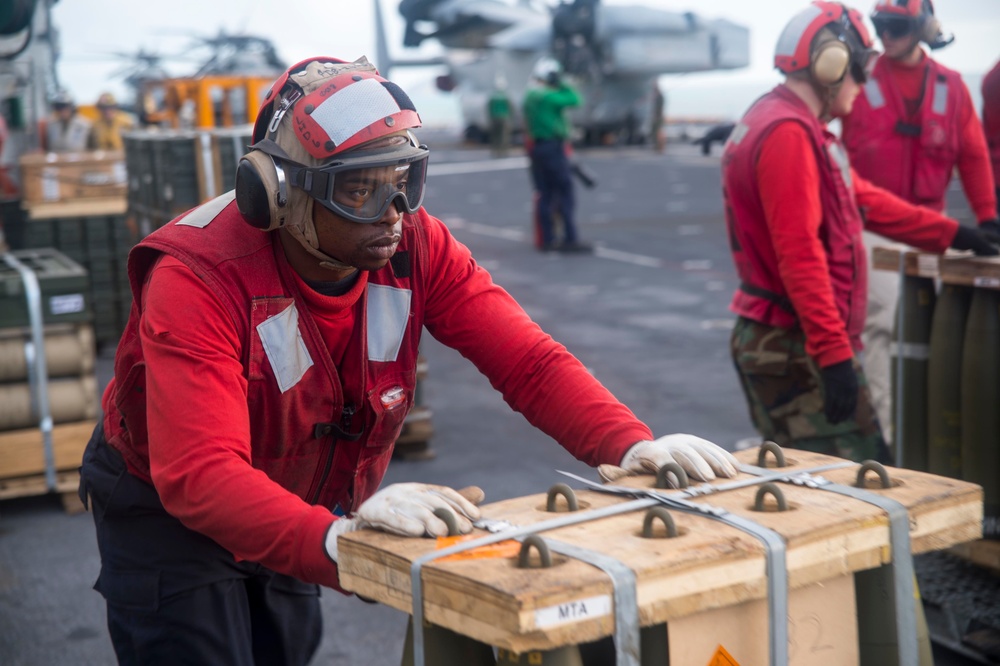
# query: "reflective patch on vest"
[[354, 108], [738, 133], [940, 103], [839, 158], [874, 94], [202, 215], [285, 348], [387, 312]]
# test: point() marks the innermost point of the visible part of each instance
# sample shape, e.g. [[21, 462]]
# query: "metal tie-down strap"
[[33, 294], [646, 499], [775, 562], [899, 541], [627, 639], [775, 567], [571, 519]]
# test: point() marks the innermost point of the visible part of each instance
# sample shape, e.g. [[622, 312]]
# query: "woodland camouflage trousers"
[[782, 386]]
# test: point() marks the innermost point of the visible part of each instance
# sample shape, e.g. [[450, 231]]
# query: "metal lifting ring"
[[677, 470], [449, 519], [774, 491], [878, 468], [775, 450], [542, 548], [664, 516], [565, 491]]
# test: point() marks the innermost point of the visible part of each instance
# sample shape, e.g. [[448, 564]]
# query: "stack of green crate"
[[141, 188], [229, 144], [178, 168], [100, 244], [68, 339]]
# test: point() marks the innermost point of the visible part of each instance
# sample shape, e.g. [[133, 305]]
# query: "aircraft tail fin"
[[383, 60]]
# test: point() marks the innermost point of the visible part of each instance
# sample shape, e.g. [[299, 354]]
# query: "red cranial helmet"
[[848, 50], [325, 123], [897, 19]]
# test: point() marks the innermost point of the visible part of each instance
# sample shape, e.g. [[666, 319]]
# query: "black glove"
[[991, 229], [840, 391], [975, 240]]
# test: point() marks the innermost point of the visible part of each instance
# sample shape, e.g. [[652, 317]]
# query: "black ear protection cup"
[[261, 193], [830, 63]]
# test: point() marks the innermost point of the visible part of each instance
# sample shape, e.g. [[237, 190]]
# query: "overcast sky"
[[89, 29]]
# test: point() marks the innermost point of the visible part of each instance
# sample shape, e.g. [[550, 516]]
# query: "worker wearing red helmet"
[[912, 125], [793, 211], [268, 365]]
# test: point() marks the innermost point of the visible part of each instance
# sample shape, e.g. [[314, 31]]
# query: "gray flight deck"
[[647, 313]]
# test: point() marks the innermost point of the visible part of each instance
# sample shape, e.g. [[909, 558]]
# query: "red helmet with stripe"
[[898, 19], [795, 48], [346, 110], [905, 8]]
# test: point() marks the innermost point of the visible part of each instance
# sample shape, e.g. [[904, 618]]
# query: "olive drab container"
[[910, 347], [878, 643], [980, 397], [443, 647], [944, 373]]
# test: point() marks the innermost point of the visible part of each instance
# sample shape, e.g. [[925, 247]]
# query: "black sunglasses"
[[894, 27]]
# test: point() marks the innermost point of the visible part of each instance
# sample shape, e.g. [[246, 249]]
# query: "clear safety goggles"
[[362, 186]]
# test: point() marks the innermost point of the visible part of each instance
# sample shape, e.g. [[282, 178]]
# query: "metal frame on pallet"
[[897, 435], [35, 356]]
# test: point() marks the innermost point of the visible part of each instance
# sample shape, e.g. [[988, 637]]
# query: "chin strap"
[[304, 232], [326, 261]]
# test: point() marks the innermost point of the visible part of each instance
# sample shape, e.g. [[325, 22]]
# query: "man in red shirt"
[[793, 207], [267, 367], [912, 125], [991, 124]]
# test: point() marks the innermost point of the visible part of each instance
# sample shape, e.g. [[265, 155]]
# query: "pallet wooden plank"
[[971, 271], [711, 565], [22, 452], [78, 208], [961, 268], [982, 553], [29, 486], [921, 264]]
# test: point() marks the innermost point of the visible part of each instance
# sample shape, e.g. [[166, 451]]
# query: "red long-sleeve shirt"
[[788, 181]]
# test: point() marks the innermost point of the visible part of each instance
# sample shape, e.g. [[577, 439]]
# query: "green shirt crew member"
[[548, 130]]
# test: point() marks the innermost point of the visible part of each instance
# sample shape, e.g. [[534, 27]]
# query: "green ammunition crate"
[[65, 287], [229, 144]]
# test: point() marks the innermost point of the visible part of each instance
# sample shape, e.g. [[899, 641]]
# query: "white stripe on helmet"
[[792, 34], [353, 108]]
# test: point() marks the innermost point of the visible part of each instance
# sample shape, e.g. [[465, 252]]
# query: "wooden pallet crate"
[[688, 582]]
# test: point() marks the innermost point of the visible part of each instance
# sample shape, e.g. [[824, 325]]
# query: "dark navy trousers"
[[553, 178], [174, 596]]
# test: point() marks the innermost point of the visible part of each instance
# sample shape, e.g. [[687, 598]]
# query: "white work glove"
[[407, 509], [700, 458]]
